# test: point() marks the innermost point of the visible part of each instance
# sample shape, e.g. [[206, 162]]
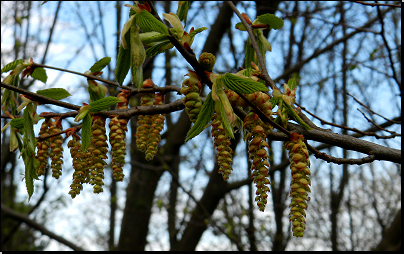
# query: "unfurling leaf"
[[159, 48], [11, 65], [103, 104], [123, 61], [54, 93], [100, 64], [293, 113], [138, 55], [85, 132], [148, 23], [292, 83], [182, 11], [204, 117], [17, 123], [197, 31], [242, 85], [175, 23]]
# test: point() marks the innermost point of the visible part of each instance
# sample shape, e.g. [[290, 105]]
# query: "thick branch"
[[6, 211]]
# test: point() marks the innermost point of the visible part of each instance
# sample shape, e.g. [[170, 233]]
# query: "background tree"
[[345, 56]]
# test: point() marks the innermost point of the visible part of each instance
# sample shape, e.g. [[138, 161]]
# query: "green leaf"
[[182, 11], [17, 123], [85, 132], [157, 49], [100, 64], [292, 83], [137, 76], [240, 26], [197, 31], [152, 38], [123, 61], [242, 85], [271, 20], [40, 74], [225, 121], [28, 151], [250, 55], [54, 93], [11, 66], [103, 104], [204, 117], [148, 23], [297, 118]]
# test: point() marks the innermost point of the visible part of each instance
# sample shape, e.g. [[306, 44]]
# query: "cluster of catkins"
[[117, 134], [299, 187], [149, 126]]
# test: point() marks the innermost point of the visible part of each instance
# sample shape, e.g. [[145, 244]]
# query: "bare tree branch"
[[6, 211]]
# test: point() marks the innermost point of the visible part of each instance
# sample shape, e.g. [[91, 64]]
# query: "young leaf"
[[292, 83], [158, 48], [148, 23], [227, 127], [85, 132], [204, 117], [175, 23], [100, 64], [123, 61], [152, 38], [103, 104], [40, 74], [54, 93], [296, 116], [11, 65], [17, 123], [271, 20], [242, 85], [28, 151], [197, 31], [182, 11]]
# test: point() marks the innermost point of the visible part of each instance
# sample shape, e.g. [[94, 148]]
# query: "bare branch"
[[6, 211]]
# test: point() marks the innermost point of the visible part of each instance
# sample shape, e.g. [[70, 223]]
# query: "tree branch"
[[6, 211]]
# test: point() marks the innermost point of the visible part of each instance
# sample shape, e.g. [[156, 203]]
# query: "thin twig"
[[360, 103], [261, 61], [378, 4]]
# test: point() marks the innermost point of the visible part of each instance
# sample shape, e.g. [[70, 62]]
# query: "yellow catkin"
[[43, 147], [299, 165], [222, 145], [56, 148]]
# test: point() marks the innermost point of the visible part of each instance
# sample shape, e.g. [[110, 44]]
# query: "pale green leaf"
[[85, 132], [100, 64], [103, 104], [197, 31], [123, 61], [293, 113], [242, 85], [11, 66], [54, 93], [148, 23], [204, 117], [292, 83], [159, 48]]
